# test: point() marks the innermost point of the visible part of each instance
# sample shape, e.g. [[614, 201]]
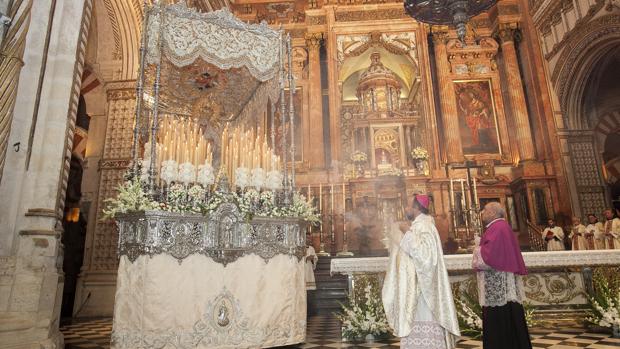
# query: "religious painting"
[[477, 117], [298, 130]]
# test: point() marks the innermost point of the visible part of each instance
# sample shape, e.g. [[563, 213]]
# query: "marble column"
[[516, 93], [34, 180], [316, 152], [447, 97]]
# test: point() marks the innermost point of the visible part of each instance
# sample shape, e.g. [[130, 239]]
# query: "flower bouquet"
[[364, 316], [359, 157], [469, 313], [605, 302], [419, 153]]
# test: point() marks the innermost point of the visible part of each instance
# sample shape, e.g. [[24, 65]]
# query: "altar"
[[557, 283]]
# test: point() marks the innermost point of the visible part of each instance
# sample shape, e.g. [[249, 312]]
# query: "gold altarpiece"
[[373, 81]]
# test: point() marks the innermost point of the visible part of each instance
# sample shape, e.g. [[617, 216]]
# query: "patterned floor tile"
[[324, 332]]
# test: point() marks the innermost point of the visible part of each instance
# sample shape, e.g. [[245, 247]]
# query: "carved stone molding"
[[380, 14], [579, 42], [507, 32], [462, 262], [121, 94], [313, 40], [316, 20], [474, 57]]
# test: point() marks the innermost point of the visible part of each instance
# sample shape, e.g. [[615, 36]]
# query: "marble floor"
[[324, 332]]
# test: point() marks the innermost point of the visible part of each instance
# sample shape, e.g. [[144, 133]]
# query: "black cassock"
[[505, 327]]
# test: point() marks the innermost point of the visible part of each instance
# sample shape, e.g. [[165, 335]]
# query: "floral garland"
[[364, 314], [605, 302]]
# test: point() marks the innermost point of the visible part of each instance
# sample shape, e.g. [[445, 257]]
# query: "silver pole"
[[139, 92], [273, 131], [291, 109], [155, 121], [282, 116]]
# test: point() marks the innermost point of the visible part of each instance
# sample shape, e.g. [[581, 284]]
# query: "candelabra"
[[466, 216]]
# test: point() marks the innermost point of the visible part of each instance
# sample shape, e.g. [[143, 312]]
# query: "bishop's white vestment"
[[417, 297]]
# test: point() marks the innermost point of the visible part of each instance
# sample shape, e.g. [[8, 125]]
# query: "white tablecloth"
[[250, 303]]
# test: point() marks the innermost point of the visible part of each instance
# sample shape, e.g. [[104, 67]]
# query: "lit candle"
[[462, 193], [321, 198], [344, 199], [451, 193], [309, 193], [475, 193], [332, 198]]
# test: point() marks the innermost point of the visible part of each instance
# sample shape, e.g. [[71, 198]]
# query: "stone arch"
[[582, 82], [584, 51], [125, 18]]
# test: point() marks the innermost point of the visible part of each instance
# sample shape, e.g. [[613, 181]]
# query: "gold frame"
[[483, 156]]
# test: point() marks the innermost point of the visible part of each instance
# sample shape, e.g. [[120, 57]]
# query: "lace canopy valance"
[[217, 37]]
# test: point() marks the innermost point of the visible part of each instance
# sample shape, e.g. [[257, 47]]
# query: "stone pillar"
[[316, 152], [35, 175], [96, 285], [447, 97], [516, 94]]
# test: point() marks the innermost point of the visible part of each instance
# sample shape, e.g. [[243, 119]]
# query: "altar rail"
[[557, 284]]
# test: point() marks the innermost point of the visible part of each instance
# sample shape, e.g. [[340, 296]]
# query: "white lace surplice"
[[496, 288]]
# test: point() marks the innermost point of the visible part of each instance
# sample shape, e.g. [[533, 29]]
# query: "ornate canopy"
[[218, 38]]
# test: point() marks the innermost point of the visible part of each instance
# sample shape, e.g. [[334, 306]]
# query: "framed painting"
[[477, 117]]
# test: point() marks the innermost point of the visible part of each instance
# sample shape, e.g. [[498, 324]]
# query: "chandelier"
[[456, 12]]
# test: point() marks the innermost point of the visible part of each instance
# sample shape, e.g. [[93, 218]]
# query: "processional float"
[[211, 244]]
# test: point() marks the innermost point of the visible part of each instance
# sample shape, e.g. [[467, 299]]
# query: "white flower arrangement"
[[258, 178], [131, 198], [197, 199], [605, 302], [364, 314], [302, 208], [359, 156], [169, 171], [187, 173], [419, 153], [274, 180], [242, 177], [469, 313], [205, 175]]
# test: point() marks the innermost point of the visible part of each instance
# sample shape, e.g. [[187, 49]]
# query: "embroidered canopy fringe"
[[217, 37]]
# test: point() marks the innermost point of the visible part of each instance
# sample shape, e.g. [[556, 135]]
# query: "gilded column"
[[447, 97], [515, 92], [316, 152]]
